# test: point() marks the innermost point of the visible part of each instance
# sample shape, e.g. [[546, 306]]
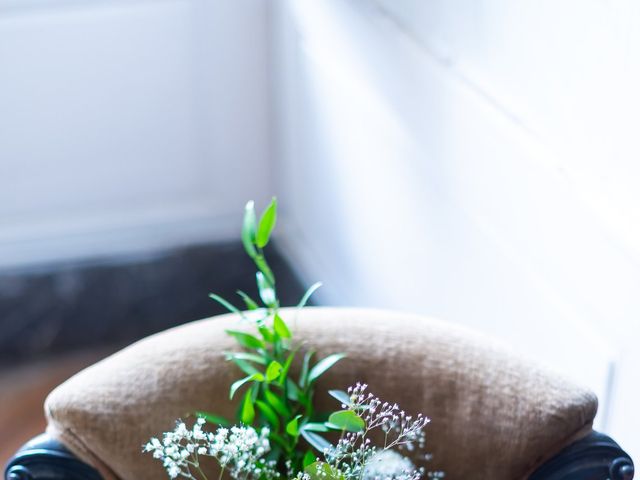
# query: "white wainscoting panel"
[[128, 126]]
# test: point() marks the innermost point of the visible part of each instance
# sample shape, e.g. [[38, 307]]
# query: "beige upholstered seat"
[[494, 416]]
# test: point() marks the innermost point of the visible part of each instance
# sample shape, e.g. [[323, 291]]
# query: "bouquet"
[[277, 433]]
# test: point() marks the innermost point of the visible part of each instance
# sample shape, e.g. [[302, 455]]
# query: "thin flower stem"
[[197, 465]]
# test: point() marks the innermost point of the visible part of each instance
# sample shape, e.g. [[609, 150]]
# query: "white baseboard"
[[140, 232]]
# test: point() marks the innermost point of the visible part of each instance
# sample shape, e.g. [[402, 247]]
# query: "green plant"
[[277, 433], [269, 393]]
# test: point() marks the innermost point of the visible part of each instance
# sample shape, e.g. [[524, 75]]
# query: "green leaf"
[[225, 304], [268, 413], [323, 471], [246, 339], [255, 389], [266, 334], [305, 369], [308, 459], [245, 366], [281, 327], [248, 412], [342, 396], [346, 420], [249, 229], [292, 427], [293, 391], [315, 427], [285, 368], [239, 383], [315, 440], [308, 293], [277, 403], [267, 222], [273, 371], [262, 265], [213, 418], [248, 301], [303, 398], [266, 291], [251, 357], [324, 365]]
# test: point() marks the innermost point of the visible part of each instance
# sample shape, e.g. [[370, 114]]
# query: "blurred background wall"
[[472, 160], [476, 161]]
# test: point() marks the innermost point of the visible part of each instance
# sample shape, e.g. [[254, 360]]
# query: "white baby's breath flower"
[[173, 470], [356, 458], [388, 464], [239, 450]]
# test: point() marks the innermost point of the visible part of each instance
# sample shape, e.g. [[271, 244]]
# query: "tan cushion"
[[494, 416]]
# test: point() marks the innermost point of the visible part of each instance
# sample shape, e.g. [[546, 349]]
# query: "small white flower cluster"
[[400, 429], [387, 465], [239, 450], [356, 457]]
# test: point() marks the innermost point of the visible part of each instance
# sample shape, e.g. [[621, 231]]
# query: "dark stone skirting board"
[[117, 301]]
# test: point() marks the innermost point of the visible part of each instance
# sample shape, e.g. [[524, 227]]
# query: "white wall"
[[408, 184], [127, 126]]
